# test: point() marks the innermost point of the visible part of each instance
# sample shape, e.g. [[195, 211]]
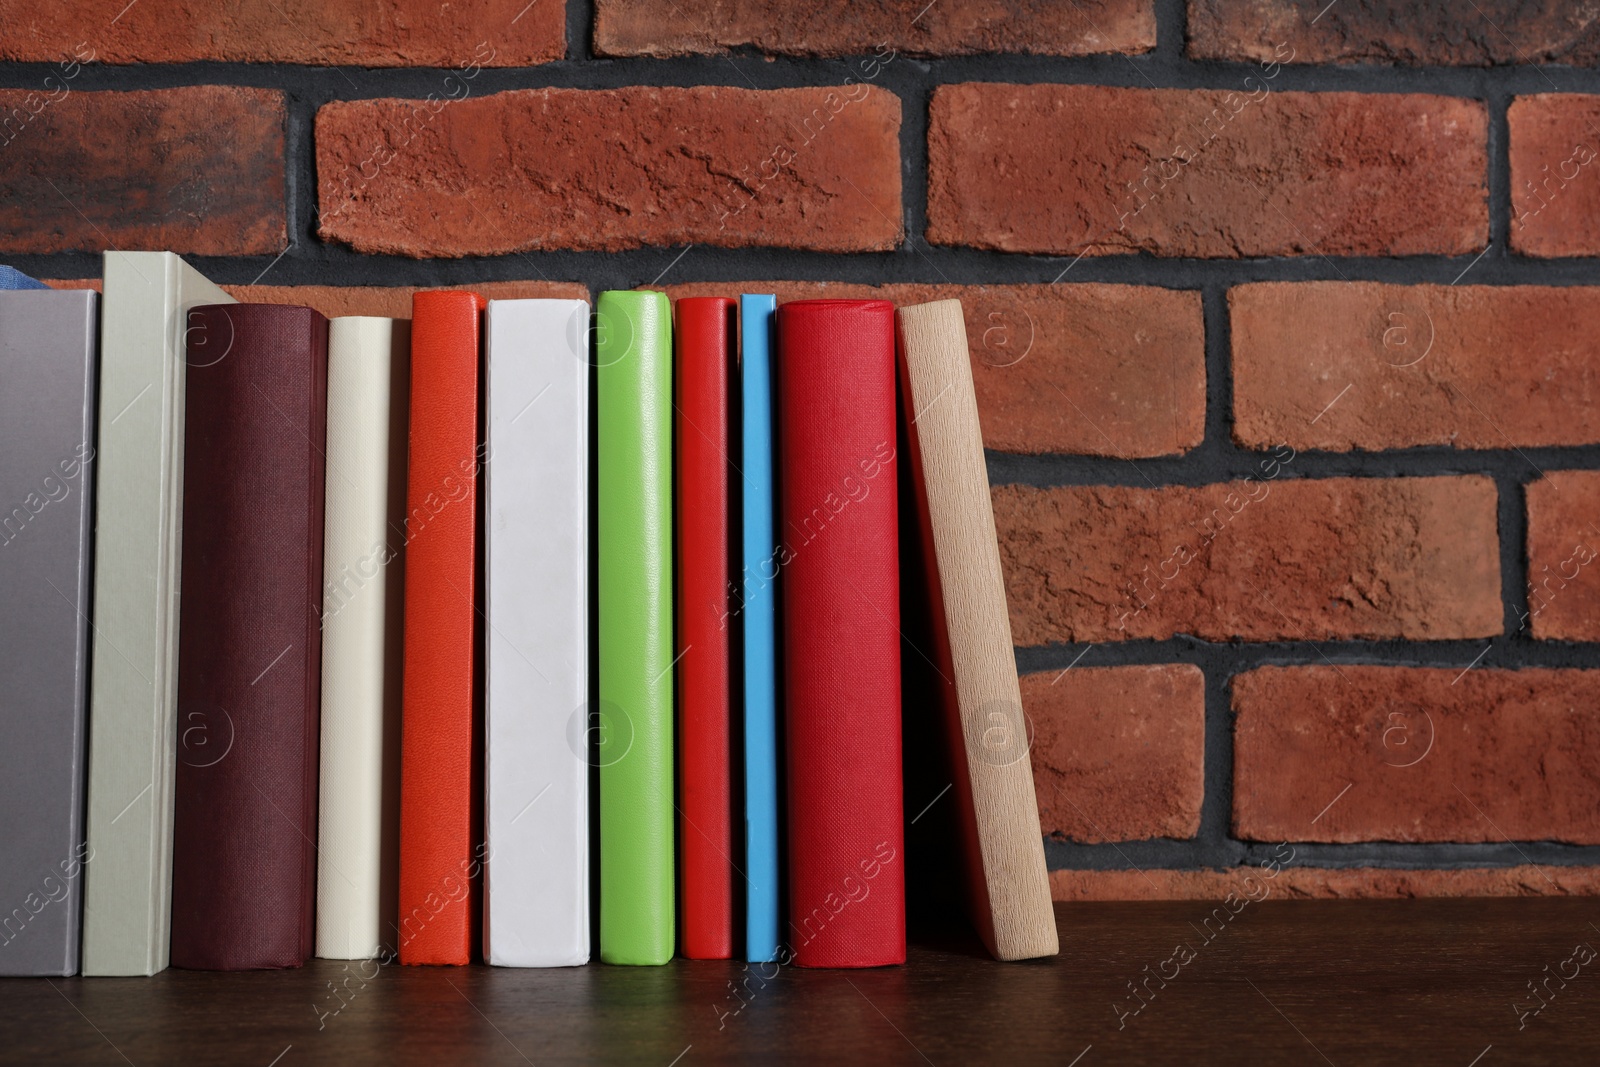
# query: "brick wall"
[[1282, 324]]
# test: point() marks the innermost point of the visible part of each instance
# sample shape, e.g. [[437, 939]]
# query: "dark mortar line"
[[1218, 462], [1172, 20], [580, 31], [1176, 854], [581, 69], [332, 263], [1216, 810]]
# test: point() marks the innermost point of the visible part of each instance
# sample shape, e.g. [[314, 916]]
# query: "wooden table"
[[1279, 982]]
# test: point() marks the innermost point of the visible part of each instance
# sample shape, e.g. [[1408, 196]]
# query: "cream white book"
[[536, 896], [1008, 884], [358, 814], [133, 739]]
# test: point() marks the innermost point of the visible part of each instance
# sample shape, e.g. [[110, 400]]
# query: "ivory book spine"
[[358, 812], [127, 908]]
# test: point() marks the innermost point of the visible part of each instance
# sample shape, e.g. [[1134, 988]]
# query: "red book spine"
[[838, 558], [705, 346], [441, 858]]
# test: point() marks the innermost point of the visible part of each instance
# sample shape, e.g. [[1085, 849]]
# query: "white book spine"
[[133, 735], [358, 808], [536, 911]]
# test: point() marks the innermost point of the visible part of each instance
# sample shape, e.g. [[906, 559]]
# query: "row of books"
[[450, 586]]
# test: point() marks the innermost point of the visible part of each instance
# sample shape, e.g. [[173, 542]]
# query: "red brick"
[[197, 169], [393, 301], [395, 33], [1563, 553], [1437, 32], [1090, 169], [1299, 883], [1413, 558], [609, 169], [1118, 752], [1555, 175], [1416, 754], [1359, 365], [1131, 358], [872, 27]]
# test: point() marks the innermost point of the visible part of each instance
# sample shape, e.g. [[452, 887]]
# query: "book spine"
[[47, 358], [840, 565], [704, 340], [441, 845], [127, 906], [249, 662], [537, 645], [974, 666], [633, 386], [758, 617], [357, 862]]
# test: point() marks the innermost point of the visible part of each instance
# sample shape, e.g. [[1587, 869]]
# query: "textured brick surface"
[[1359, 365], [873, 27], [1118, 752], [1564, 556], [1103, 370], [1555, 175], [1355, 883], [1414, 754], [1264, 560], [606, 169], [1079, 168], [393, 301], [395, 33], [1412, 32], [196, 169]]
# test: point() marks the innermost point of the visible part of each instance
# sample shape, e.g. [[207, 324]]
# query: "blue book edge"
[[757, 326], [13, 279]]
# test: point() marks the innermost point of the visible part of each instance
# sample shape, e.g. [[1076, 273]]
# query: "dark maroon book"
[[250, 638]]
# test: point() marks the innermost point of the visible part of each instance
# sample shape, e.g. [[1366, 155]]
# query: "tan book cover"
[[998, 815]]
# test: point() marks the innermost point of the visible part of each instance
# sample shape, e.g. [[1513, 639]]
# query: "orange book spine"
[[441, 835]]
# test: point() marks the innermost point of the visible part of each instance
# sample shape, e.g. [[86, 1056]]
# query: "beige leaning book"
[[1008, 886], [134, 736]]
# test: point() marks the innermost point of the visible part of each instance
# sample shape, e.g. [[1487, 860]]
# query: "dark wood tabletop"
[[1477, 983]]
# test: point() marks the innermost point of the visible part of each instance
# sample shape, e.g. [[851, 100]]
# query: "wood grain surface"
[[1302, 982]]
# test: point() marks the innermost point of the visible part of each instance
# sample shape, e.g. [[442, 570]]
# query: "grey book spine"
[[47, 405]]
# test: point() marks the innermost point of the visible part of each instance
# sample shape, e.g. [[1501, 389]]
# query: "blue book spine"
[[11, 278], [758, 323]]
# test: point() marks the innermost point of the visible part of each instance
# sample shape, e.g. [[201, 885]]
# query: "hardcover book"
[[705, 341], [12, 278], [840, 569], [633, 724], [358, 813], [757, 616], [127, 907], [536, 653], [442, 848], [973, 666], [250, 639], [47, 398]]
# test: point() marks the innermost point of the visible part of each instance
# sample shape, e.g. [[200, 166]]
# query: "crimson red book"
[[704, 336], [838, 566]]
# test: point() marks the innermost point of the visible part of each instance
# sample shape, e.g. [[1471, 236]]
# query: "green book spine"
[[633, 390]]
